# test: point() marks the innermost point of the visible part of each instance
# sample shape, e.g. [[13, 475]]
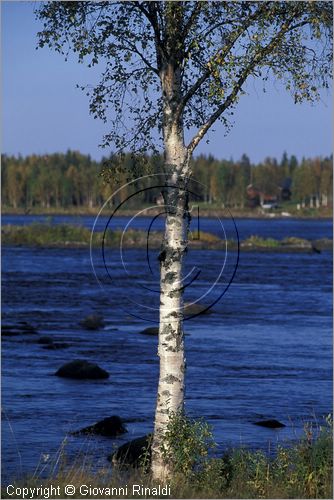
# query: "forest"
[[72, 179]]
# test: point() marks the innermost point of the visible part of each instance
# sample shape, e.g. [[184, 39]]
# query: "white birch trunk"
[[171, 342], [171, 337], [324, 200]]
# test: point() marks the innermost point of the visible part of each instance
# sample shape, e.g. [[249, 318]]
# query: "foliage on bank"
[[73, 181], [72, 236], [299, 470]]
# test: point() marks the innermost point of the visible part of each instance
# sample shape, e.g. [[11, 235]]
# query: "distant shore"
[[70, 236], [205, 211]]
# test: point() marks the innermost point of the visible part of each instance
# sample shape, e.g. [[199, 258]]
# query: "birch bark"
[[171, 337]]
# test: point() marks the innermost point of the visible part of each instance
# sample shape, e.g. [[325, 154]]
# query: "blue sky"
[[43, 111]]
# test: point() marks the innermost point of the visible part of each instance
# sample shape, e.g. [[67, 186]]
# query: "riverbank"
[[206, 210], [302, 470], [72, 236]]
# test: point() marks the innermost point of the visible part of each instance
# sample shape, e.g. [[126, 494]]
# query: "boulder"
[[192, 309], [315, 249], [270, 424], [134, 453], [56, 345], [26, 327], [81, 369], [151, 330], [92, 322], [9, 331], [45, 340], [109, 427], [322, 244], [48, 343], [22, 327]]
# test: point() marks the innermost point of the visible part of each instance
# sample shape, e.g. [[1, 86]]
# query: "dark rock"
[[192, 309], [48, 343], [270, 424], [92, 322], [45, 340], [22, 327], [322, 244], [81, 369], [110, 427], [9, 331], [26, 327], [133, 453], [151, 330], [315, 249], [56, 345]]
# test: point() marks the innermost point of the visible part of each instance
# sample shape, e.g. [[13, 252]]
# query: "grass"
[[293, 240], [302, 470], [66, 235], [257, 241], [45, 234]]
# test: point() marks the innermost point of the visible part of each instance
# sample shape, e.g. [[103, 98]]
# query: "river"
[[264, 352]]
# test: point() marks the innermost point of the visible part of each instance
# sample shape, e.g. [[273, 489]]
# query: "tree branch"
[[223, 52], [151, 16], [191, 20], [133, 48], [244, 75]]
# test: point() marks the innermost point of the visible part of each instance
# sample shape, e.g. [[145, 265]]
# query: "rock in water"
[[22, 327], [133, 453], [48, 343], [270, 424], [315, 249], [92, 322], [192, 309], [45, 340], [109, 427], [82, 369], [56, 345], [151, 330]]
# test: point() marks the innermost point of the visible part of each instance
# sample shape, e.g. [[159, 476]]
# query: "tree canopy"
[[212, 48]]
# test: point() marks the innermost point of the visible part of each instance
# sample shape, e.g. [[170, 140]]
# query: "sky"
[[43, 112]]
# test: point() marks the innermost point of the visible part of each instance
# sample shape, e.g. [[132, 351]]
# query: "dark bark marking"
[[170, 379], [169, 278], [164, 411], [162, 255], [175, 294], [167, 330]]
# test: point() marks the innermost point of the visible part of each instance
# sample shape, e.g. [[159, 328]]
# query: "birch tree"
[[170, 70]]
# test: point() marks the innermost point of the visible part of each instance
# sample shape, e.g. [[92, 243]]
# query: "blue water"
[[264, 352]]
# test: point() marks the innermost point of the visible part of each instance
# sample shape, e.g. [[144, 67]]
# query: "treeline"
[[74, 180]]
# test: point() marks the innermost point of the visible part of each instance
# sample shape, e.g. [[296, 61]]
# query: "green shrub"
[[186, 443], [301, 470], [293, 240], [257, 241]]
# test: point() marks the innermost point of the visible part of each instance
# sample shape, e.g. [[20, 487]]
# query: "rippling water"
[[264, 352]]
